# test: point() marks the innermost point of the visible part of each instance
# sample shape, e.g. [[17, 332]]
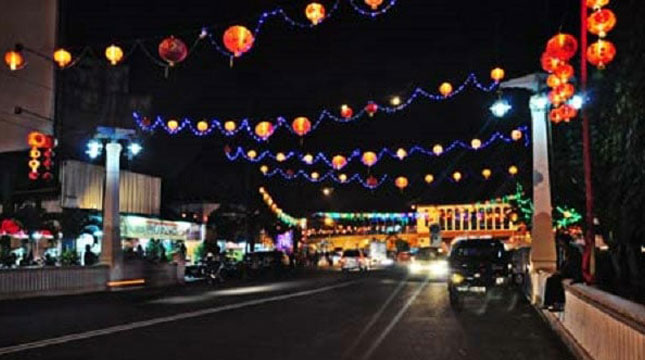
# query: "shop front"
[[158, 239]]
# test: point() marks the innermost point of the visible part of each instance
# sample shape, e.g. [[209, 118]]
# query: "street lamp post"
[[111, 253], [543, 252]]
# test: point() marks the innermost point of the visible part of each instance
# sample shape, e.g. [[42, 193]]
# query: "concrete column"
[[111, 253], [543, 256], [452, 218]]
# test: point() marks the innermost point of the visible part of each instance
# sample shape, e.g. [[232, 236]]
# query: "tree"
[[617, 118]]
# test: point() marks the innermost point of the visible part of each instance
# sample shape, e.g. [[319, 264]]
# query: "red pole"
[[588, 255]]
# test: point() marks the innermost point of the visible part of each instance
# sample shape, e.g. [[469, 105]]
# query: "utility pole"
[[588, 263]]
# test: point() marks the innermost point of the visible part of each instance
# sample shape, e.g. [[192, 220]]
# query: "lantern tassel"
[[230, 62]]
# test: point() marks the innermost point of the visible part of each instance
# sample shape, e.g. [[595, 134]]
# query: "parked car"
[[354, 260], [477, 267]]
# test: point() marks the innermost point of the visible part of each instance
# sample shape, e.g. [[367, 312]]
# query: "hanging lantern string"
[[372, 182], [241, 153], [325, 114], [207, 32]]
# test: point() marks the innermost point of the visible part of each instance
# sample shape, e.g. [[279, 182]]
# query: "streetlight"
[[500, 108], [94, 149], [395, 101], [327, 191], [134, 149], [577, 101]]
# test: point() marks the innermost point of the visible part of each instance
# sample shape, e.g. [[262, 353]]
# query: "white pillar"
[[543, 256], [111, 253]]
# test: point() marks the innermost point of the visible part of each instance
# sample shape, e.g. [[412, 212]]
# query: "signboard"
[[147, 228]]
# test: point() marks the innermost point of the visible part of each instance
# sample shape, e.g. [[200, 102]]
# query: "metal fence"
[[19, 283]]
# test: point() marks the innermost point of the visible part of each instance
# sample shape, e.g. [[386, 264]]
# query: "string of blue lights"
[[209, 127], [400, 153]]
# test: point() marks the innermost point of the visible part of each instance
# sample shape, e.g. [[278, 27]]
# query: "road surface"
[[380, 315]]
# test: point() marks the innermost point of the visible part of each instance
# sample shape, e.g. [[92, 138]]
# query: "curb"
[[565, 336]]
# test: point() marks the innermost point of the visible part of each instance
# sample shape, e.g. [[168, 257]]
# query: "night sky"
[[348, 59]]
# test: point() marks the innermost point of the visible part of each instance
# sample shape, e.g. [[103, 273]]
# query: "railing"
[[19, 283], [604, 325]]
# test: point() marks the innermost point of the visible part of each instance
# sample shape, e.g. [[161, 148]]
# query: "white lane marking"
[[245, 290], [394, 321], [375, 317], [162, 320]]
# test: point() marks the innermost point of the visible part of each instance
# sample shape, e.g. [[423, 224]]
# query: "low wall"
[[47, 281], [52, 281], [605, 326], [166, 274]]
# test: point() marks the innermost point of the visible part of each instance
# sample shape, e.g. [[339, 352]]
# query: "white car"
[[354, 260]]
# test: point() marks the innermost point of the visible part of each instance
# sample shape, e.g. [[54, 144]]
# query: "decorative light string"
[[282, 216], [115, 54], [400, 153], [372, 182], [175, 126]]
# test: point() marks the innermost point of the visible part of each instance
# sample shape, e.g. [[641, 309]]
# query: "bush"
[[69, 258]]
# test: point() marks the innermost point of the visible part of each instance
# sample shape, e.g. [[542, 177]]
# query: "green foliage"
[[200, 252], [69, 257]]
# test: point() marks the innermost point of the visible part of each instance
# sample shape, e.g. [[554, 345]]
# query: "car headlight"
[[416, 268], [439, 268], [457, 278]]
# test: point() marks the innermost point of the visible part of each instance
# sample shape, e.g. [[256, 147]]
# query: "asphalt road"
[[380, 315]]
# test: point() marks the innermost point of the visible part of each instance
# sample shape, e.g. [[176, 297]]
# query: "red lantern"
[[568, 112], [238, 40], [14, 60], [401, 182], [315, 12], [562, 46], [301, 126], [173, 50], [346, 111], [553, 81], [596, 4], [601, 22], [264, 129], [374, 4], [555, 99], [564, 72], [565, 91], [601, 53], [36, 139], [371, 182], [338, 162], [371, 108], [556, 116], [369, 158], [146, 121], [549, 62]]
